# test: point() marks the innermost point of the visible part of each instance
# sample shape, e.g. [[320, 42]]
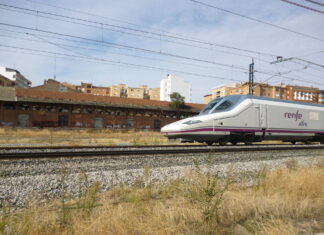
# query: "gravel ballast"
[[25, 179]]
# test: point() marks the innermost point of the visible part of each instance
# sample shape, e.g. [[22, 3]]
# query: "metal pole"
[[251, 77]]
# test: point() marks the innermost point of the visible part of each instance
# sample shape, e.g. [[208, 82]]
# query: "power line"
[[125, 54], [127, 46], [133, 34], [100, 24], [318, 3], [303, 6], [100, 16], [259, 21], [145, 66], [120, 63], [145, 50]]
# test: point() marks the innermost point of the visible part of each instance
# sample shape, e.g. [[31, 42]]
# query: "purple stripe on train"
[[244, 130]]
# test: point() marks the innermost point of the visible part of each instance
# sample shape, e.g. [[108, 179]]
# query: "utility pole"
[[251, 77]]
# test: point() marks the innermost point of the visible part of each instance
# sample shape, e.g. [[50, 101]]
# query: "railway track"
[[87, 151]]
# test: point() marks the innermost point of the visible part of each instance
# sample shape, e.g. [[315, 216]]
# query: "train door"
[[263, 116]]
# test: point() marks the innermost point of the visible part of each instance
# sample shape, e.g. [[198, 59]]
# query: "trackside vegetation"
[[289, 200]]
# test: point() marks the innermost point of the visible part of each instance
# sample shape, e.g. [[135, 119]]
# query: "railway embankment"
[[24, 180]]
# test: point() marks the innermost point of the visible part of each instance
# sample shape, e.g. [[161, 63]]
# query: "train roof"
[[227, 103], [243, 97]]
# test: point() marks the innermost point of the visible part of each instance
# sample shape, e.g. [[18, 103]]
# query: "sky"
[[107, 42]]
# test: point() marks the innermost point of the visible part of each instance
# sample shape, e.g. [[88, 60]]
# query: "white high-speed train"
[[244, 118]]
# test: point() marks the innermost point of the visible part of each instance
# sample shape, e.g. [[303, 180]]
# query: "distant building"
[[208, 98], [15, 76], [154, 94], [53, 85], [302, 94], [118, 90], [172, 84], [136, 92], [286, 92], [223, 90], [88, 88], [121, 90], [6, 82], [321, 97]]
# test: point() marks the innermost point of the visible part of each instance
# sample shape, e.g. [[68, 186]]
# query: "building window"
[[9, 106]]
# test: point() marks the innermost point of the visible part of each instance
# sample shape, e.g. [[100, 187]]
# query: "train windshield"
[[225, 103], [210, 106]]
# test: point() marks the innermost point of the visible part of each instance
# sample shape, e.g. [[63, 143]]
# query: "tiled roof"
[[41, 95]]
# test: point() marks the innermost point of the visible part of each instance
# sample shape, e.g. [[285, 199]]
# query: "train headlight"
[[190, 122]]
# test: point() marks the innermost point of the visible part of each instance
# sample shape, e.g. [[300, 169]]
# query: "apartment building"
[[15, 77], [172, 84], [118, 90], [142, 92], [6, 82], [222, 90], [136, 92], [286, 92], [321, 97], [53, 85], [303, 94], [208, 98], [154, 93], [88, 88]]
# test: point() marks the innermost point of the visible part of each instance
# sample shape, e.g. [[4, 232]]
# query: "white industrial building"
[[172, 84], [15, 76]]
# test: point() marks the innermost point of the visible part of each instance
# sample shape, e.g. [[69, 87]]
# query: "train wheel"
[[209, 143], [223, 142], [293, 142]]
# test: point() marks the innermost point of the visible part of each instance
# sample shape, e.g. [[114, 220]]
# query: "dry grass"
[[285, 201], [78, 137]]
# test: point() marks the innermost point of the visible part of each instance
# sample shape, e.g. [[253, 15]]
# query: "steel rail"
[[64, 154], [56, 147], [98, 147]]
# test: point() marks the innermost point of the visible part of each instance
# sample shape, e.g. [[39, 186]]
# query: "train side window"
[[223, 106]]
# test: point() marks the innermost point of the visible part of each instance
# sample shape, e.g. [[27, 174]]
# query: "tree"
[[177, 100]]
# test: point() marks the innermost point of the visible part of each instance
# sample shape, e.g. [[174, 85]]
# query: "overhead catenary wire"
[[129, 55], [126, 46], [100, 24], [318, 3], [134, 34], [144, 66], [120, 63], [303, 6], [78, 41], [122, 46], [259, 21]]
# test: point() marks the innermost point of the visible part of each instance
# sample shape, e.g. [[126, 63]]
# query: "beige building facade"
[[208, 98], [136, 92], [223, 90], [154, 93], [285, 92]]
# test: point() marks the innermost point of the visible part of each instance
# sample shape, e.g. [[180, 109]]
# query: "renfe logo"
[[295, 116]]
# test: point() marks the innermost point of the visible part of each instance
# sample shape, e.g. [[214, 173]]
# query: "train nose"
[[168, 128], [171, 129]]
